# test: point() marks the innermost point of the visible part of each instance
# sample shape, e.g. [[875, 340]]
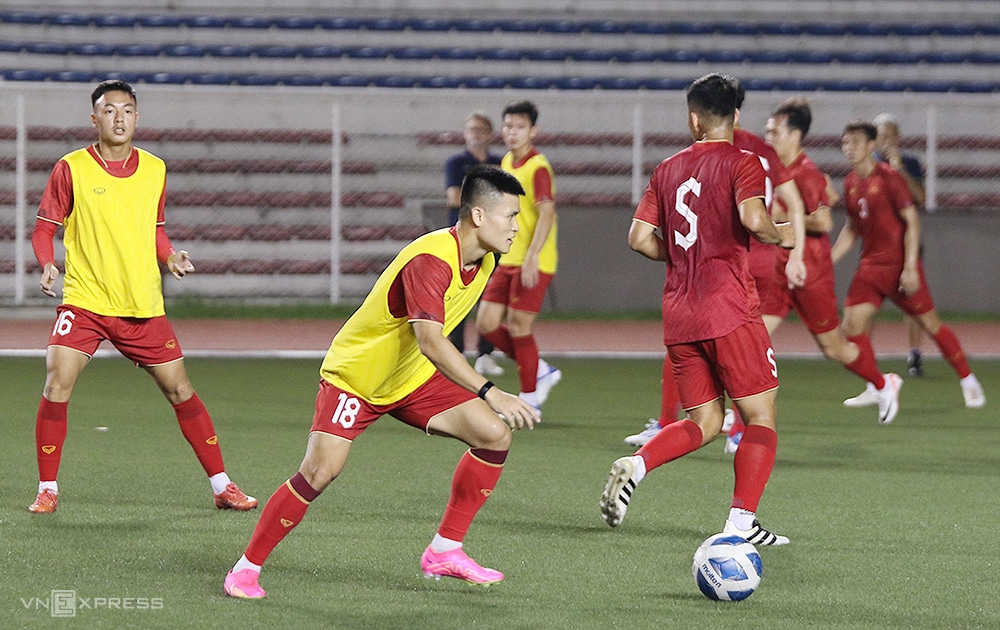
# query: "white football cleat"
[[866, 398], [648, 433]]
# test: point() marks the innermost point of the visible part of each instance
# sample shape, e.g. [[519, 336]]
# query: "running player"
[[109, 199], [393, 357], [707, 201], [816, 300], [880, 211], [516, 291]]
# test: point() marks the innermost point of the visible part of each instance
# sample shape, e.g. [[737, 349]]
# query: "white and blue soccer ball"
[[727, 568]]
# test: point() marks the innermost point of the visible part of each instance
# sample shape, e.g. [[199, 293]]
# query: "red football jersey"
[[693, 199], [812, 187], [763, 257], [873, 204]]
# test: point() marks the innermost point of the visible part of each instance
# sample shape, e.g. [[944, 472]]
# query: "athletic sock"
[[753, 464], [475, 478], [501, 339], [50, 434], [670, 397], [196, 425], [440, 544], [952, 351], [865, 364], [526, 356], [219, 482], [243, 563], [674, 440], [283, 511]]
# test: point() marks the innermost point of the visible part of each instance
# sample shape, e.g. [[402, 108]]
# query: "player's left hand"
[[529, 272], [179, 264], [909, 281], [787, 235]]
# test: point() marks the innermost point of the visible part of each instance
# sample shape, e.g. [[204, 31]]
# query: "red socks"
[[50, 434], [526, 355], [500, 338], [475, 477], [196, 425], [865, 365], [674, 440], [952, 351], [670, 397], [283, 511], [753, 464]]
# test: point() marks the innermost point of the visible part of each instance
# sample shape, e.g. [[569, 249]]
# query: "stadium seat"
[[114, 20], [321, 52], [277, 52], [412, 52], [183, 50], [230, 51], [62, 19], [457, 53]]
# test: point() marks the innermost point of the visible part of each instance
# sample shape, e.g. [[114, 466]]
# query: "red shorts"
[[741, 364], [772, 289], [816, 304], [347, 415], [505, 288], [145, 341], [873, 283]]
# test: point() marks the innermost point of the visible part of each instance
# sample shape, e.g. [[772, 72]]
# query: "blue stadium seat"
[[168, 78], [183, 50], [157, 21], [501, 54], [230, 51], [520, 26], [607, 27], [430, 25], [396, 81], [212, 78], [46, 48], [304, 80], [73, 76], [439, 82], [384, 24], [547, 54], [348, 80], [204, 21], [531, 83], [322, 52], [10, 47], [94, 50], [592, 55], [252, 22], [458, 53], [24, 17], [912, 30], [281, 51], [65, 19], [139, 50], [477, 26], [562, 27], [339, 24], [619, 83], [114, 20], [258, 79], [25, 75], [485, 83], [576, 83], [412, 52], [297, 23], [366, 52]]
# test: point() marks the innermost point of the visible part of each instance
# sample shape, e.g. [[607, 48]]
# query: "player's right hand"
[[48, 280]]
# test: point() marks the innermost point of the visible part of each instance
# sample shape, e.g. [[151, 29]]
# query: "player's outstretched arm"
[[844, 242], [440, 351], [795, 270], [179, 264]]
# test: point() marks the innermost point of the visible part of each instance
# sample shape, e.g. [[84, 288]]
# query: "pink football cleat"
[[456, 564], [243, 584], [46, 502], [232, 498]]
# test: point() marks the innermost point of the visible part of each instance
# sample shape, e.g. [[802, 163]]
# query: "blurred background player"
[[109, 199], [881, 212], [908, 165], [762, 260], [816, 300], [706, 201], [393, 357], [478, 131], [516, 291]]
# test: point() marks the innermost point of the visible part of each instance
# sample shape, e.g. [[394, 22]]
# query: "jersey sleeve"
[[425, 280], [648, 210], [57, 200], [812, 187], [41, 241], [542, 181], [750, 179]]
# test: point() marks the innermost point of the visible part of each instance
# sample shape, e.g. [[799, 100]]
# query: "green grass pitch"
[[891, 526]]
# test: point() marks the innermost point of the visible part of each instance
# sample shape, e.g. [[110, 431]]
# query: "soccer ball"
[[727, 568]]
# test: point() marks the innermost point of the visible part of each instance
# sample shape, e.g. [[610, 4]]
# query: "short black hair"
[[526, 108], [714, 95], [797, 113], [112, 85], [485, 181], [862, 126]]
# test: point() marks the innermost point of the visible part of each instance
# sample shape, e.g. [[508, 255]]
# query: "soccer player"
[[516, 291], [393, 357], [707, 201], [477, 132], [109, 199], [762, 261], [816, 300], [881, 212], [909, 166]]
